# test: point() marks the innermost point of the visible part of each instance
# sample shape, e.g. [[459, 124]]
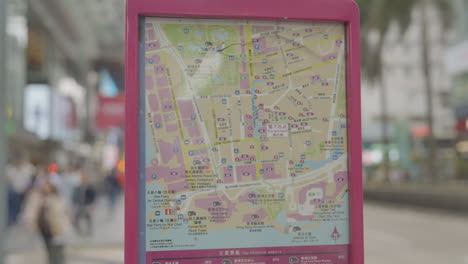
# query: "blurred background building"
[[64, 76], [456, 63], [402, 90], [64, 109]]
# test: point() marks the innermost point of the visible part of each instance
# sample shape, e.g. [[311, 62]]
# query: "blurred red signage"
[[462, 125], [420, 131], [110, 112]]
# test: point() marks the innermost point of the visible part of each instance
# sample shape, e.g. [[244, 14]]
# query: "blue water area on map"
[[217, 79], [268, 237], [149, 153], [337, 153], [221, 35], [195, 48], [282, 219], [199, 34]]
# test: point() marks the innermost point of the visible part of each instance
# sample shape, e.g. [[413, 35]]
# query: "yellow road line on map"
[[233, 141], [213, 113], [264, 56], [182, 138], [248, 34], [259, 167], [305, 69], [314, 43], [176, 105], [195, 147]]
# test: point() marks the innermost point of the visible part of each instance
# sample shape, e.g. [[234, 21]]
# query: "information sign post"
[[243, 134]]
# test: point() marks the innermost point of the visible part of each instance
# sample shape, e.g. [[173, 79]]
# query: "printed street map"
[[245, 133]]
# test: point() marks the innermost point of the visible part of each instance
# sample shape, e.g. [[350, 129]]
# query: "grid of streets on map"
[[245, 130]]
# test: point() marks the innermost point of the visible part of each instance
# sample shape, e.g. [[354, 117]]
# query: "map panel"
[[246, 134]]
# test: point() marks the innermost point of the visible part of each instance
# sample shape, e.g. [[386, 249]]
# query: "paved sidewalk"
[[100, 255], [395, 234], [104, 246]]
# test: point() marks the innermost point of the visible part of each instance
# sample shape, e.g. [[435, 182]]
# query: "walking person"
[[70, 180], [19, 175], [113, 190], [84, 197], [45, 212]]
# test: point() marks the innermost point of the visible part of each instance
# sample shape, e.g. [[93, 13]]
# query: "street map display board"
[[243, 141]]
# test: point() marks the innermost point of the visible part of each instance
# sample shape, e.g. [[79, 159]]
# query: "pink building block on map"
[[269, 172], [157, 119], [248, 130], [269, 50], [261, 47], [170, 150], [245, 157], [178, 187], [152, 45], [155, 59], [153, 103], [186, 109], [156, 172], [246, 173], [259, 43], [172, 127], [193, 131], [149, 82], [244, 82], [162, 82], [160, 69], [228, 176], [244, 66], [151, 34], [167, 106], [341, 181], [211, 204], [301, 218], [165, 94]]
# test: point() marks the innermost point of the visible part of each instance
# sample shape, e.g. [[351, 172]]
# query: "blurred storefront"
[[55, 51], [456, 61]]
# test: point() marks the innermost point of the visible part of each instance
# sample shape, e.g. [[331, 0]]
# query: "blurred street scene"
[[61, 157], [62, 131]]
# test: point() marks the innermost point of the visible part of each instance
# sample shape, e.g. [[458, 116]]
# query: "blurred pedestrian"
[[113, 189], [45, 212], [70, 180], [19, 175], [84, 197]]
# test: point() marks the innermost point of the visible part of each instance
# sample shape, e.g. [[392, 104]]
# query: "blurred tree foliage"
[[378, 15]]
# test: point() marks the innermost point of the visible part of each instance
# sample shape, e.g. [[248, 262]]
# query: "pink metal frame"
[[345, 11]]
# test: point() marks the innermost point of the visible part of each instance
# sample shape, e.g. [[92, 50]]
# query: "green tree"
[[377, 15]]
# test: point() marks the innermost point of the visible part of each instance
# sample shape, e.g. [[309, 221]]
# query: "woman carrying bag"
[[46, 213]]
